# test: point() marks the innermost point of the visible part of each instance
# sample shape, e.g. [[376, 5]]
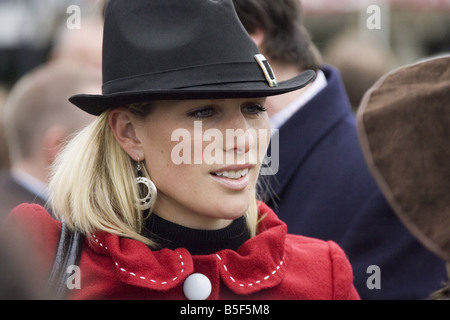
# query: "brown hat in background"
[[404, 129]]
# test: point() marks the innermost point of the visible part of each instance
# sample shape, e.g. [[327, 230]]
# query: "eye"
[[254, 109], [202, 113]]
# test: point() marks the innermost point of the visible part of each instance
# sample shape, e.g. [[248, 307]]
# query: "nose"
[[239, 136], [238, 140]]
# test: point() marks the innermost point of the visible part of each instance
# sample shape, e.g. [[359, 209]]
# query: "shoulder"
[[331, 73], [37, 232], [335, 272], [33, 217], [315, 269], [302, 247], [11, 193]]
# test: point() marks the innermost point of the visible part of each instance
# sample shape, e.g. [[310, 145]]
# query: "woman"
[[163, 183]]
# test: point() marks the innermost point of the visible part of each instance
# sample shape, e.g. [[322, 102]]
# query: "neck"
[[34, 168], [30, 182], [198, 242], [181, 215]]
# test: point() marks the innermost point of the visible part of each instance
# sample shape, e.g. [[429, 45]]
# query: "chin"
[[232, 209]]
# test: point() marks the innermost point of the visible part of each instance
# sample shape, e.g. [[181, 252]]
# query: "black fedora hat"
[[178, 49]]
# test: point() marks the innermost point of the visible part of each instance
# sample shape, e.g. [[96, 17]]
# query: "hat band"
[[213, 74]]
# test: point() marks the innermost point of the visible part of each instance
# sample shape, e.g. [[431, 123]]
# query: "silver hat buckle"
[[267, 69]]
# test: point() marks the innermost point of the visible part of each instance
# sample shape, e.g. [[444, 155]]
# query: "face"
[[204, 157]]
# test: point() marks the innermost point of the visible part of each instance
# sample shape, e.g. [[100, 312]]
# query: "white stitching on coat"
[[182, 270], [142, 277], [257, 281]]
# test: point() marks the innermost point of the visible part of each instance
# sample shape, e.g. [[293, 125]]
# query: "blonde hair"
[[92, 186]]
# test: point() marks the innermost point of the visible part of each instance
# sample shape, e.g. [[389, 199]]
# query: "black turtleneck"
[[198, 242]]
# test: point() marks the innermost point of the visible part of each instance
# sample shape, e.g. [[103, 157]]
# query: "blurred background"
[[363, 39], [367, 38], [33, 32]]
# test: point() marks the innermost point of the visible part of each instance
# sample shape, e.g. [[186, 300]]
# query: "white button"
[[197, 287]]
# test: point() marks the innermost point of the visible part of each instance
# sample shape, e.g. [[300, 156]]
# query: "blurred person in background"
[[82, 45], [28, 29], [38, 118], [4, 154], [25, 36], [17, 275], [349, 52], [34, 32], [323, 187]]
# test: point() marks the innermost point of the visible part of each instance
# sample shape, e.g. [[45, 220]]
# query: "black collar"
[[198, 242]]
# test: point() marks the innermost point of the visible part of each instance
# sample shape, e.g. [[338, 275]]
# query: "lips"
[[233, 177]]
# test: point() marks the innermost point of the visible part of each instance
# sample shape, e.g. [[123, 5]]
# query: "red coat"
[[272, 265]]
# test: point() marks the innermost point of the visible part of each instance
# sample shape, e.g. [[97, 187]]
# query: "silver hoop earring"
[[142, 182]]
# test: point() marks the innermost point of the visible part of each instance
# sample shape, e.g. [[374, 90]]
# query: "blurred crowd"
[[36, 32], [42, 63]]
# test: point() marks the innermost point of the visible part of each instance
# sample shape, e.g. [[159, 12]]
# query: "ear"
[[53, 140], [258, 37], [123, 127]]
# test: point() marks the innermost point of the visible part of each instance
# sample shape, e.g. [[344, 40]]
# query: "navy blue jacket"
[[326, 191]]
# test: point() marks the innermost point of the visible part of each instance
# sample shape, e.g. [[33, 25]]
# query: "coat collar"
[[166, 269]]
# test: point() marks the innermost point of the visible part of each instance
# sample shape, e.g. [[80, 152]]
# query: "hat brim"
[[97, 104]]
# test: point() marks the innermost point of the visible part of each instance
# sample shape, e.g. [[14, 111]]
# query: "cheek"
[[261, 137], [174, 179], [169, 156], [157, 148], [264, 137]]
